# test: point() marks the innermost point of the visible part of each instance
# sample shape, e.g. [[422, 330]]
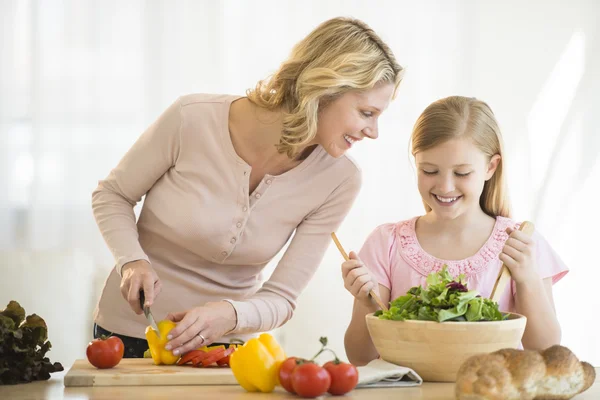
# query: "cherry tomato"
[[310, 380], [105, 352], [344, 377], [285, 373]]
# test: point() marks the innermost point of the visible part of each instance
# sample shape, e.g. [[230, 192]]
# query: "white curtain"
[[81, 79]]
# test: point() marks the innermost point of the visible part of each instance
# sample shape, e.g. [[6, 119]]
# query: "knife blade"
[[148, 313]]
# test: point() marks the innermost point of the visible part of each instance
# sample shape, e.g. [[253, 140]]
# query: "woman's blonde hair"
[[466, 117], [338, 56]]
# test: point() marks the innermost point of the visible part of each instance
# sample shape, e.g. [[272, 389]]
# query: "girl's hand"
[[138, 275], [518, 255], [200, 326], [358, 279]]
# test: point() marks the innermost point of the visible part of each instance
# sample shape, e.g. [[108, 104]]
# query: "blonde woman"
[[228, 181], [458, 152]]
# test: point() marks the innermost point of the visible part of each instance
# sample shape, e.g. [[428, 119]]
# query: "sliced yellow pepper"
[[157, 343], [209, 348], [255, 365]]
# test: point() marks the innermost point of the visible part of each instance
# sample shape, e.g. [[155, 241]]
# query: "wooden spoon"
[[371, 293], [504, 275]]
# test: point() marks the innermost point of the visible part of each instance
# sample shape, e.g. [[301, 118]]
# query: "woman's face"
[[352, 117]]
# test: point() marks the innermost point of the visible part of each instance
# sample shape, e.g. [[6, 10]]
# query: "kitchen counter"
[[54, 389]]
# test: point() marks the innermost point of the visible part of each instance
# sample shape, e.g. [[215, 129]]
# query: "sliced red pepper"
[[213, 358], [189, 356], [223, 362], [198, 359], [208, 356]]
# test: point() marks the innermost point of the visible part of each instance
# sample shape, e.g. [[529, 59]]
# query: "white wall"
[[80, 80]]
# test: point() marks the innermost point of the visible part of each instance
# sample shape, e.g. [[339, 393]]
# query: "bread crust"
[[552, 374]]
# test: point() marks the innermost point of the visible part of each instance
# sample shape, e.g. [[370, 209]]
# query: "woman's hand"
[[358, 280], [138, 275], [200, 326], [518, 255]]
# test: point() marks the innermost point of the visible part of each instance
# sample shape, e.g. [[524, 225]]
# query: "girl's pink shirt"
[[394, 256]]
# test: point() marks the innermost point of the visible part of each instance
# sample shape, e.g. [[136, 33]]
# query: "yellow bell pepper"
[[157, 343], [255, 365]]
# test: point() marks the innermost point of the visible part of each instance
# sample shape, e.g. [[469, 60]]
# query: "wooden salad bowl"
[[436, 350]]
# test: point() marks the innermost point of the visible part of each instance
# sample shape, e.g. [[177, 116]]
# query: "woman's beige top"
[[208, 238]]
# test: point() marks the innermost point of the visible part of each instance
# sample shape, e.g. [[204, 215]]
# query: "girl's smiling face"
[[451, 176]]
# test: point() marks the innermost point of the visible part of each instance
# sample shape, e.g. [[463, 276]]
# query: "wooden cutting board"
[[143, 372]]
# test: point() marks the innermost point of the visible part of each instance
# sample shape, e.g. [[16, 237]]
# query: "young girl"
[[458, 152]]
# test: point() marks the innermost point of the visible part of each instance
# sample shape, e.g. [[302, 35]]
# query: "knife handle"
[[142, 299]]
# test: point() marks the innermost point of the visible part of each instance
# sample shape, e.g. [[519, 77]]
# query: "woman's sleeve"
[[154, 153]]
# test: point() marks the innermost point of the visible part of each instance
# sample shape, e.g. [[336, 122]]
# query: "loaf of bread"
[[555, 373]]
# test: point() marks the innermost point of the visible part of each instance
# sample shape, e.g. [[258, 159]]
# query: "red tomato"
[[285, 373], [310, 380], [105, 352], [344, 377]]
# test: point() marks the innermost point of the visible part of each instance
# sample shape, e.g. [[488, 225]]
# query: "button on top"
[[268, 181], [257, 195], [239, 224], [245, 208], [232, 241]]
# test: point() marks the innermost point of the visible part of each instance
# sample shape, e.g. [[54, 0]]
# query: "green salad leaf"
[[444, 299]]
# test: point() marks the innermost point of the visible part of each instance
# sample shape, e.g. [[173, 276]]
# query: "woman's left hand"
[[200, 326], [518, 255]]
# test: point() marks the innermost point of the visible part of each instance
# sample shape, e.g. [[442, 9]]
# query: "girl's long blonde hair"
[[340, 55], [460, 117]]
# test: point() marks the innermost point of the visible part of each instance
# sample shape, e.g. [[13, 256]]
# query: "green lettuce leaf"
[[444, 299]]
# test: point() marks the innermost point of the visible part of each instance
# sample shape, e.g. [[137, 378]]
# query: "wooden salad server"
[[504, 276], [343, 252]]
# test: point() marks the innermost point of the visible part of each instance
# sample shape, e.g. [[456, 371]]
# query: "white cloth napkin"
[[380, 373]]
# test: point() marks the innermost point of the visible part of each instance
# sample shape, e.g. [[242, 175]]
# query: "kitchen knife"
[[148, 313]]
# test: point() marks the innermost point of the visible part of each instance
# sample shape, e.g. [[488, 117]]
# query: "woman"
[[228, 180]]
